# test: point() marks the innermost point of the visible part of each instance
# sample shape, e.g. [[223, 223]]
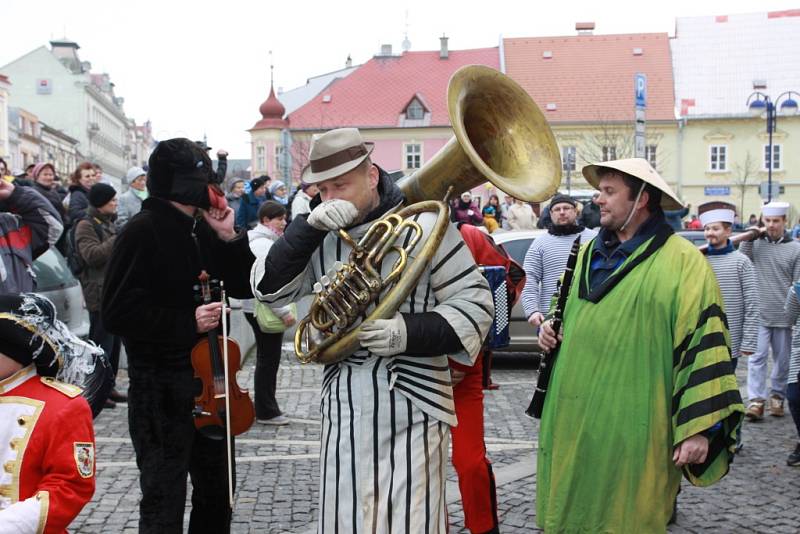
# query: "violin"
[[222, 408]]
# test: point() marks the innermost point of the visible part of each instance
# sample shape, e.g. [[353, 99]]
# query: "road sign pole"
[[640, 105]]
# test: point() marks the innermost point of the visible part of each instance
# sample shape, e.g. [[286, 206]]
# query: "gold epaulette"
[[67, 389]]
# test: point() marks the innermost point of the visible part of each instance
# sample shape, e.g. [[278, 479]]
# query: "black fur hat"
[[181, 171]]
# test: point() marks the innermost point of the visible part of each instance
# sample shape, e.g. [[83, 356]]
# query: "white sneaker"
[[280, 420]]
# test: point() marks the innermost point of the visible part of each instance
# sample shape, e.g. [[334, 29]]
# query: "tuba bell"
[[502, 137]]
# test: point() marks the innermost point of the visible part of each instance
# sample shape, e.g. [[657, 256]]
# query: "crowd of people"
[[140, 254]]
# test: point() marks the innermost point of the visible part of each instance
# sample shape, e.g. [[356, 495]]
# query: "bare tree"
[[744, 173], [300, 158], [607, 141], [616, 140]]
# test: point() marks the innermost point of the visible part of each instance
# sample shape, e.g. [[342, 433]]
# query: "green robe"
[[645, 364]]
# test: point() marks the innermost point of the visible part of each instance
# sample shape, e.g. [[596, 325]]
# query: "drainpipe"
[[502, 51], [679, 184]]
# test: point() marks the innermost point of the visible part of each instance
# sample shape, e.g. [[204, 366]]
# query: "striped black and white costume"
[[737, 283], [385, 430]]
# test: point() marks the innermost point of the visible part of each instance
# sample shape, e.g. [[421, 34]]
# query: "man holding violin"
[[185, 227]]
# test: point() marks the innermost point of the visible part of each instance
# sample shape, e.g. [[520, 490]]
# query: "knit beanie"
[[101, 194], [274, 186], [256, 183], [40, 166], [561, 198], [133, 174]]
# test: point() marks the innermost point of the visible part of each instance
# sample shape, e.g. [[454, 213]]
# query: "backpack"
[[75, 261]]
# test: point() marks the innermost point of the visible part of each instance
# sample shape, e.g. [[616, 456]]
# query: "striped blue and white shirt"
[[544, 264], [737, 283], [777, 267]]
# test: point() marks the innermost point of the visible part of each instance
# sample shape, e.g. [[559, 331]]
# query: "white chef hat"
[[775, 209], [718, 215]]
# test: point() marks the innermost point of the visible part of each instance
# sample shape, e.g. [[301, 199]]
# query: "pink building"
[[399, 102]]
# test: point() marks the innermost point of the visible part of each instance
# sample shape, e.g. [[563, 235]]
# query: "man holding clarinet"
[[642, 390]]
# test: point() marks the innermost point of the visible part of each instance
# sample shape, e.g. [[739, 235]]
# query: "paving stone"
[[758, 495]]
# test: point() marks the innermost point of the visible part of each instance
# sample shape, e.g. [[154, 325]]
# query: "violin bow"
[[227, 393]]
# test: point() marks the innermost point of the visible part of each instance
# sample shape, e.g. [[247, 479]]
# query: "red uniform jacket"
[[46, 453]]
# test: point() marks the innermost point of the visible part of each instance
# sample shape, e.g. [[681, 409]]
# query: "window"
[[609, 153], [568, 158], [650, 154], [415, 111], [776, 157], [413, 153], [718, 158], [260, 163]]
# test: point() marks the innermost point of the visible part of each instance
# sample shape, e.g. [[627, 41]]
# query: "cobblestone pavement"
[[277, 468]]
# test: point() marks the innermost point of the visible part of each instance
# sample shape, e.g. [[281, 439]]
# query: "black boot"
[[794, 458]]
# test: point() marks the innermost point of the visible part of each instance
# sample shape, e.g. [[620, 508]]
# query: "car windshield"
[[52, 272], [517, 248]]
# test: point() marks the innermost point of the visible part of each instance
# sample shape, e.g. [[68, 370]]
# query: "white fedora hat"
[[638, 168], [336, 152]]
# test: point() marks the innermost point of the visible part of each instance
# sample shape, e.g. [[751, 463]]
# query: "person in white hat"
[[737, 283], [386, 410], [129, 203], [642, 390], [776, 257]]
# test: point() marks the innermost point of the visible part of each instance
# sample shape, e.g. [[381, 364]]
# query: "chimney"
[[349, 62], [443, 52], [386, 50], [66, 52], [584, 28]]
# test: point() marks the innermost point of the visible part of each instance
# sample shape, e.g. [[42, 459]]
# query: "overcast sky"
[[203, 67]]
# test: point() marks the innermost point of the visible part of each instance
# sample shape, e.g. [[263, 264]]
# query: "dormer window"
[[415, 110]]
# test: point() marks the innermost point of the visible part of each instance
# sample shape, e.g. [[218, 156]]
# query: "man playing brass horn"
[[386, 409]]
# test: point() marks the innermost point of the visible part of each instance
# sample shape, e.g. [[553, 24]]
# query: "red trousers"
[[475, 477]]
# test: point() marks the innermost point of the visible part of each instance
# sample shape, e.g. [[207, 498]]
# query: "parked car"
[[523, 335], [55, 281]]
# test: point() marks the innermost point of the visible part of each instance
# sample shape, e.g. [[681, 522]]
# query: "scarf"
[[566, 229]]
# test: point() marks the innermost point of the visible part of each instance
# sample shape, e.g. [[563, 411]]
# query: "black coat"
[[590, 216], [148, 296], [78, 203], [54, 198]]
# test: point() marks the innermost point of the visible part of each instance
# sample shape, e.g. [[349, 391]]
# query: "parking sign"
[[640, 90]]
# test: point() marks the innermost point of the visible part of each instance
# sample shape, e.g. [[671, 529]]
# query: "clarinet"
[[548, 359]]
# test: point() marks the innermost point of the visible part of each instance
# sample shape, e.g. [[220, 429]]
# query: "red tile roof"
[[377, 93], [590, 77]]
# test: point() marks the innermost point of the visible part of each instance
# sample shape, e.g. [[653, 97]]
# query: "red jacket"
[[52, 458]]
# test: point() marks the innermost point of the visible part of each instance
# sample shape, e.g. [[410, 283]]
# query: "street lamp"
[[760, 104]]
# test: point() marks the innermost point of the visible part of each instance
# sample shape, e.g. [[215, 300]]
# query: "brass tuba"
[[502, 137]]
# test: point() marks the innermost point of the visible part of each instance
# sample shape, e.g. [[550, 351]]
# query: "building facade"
[[25, 138], [398, 101], [5, 146], [584, 85], [59, 149], [60, 89], [719, 62]]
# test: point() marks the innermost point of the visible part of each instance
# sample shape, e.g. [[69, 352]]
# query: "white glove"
[[332, 215], [470, 213], [384, 337]]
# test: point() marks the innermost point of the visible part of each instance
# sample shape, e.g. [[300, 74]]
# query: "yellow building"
[[726, 159], [719, 63]]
